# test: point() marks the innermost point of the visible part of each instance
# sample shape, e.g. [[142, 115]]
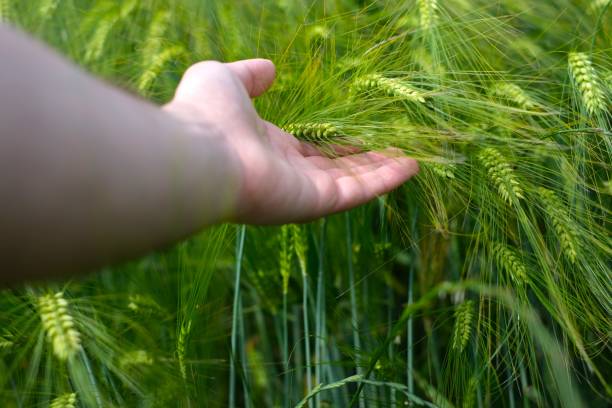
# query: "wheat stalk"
[[501, 174], [562, 223], [389, 86], [587, 81], [428, 13], [463, 325], [513, 93], [509, 260], [67, 400], [59, 325]]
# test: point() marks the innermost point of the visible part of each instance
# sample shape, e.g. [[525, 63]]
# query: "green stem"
[[285, 353], [320, 310], [306, 331], [409, 323], [236, 309], [353, 295]]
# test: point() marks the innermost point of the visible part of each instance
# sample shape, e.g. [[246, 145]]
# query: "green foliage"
[[485, 281]]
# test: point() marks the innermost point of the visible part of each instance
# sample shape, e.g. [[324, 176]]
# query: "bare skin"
[[90, 175]]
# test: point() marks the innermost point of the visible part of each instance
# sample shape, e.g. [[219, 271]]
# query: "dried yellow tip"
[[59, 325]]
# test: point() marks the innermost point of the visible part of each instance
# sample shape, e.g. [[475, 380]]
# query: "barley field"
[[483, 282]]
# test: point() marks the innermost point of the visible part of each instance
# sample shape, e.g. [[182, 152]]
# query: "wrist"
[[210, 169]]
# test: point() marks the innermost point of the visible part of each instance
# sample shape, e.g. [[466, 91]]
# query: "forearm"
[[89, 174]]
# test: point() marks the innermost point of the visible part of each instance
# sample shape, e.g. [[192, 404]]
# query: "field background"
[[484, 282]]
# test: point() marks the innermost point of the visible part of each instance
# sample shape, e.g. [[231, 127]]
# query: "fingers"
[[256, 75], [369, 181]]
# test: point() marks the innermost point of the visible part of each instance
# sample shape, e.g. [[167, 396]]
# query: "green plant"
[[485, 281]]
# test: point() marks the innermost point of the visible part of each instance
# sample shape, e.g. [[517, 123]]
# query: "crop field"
[[485, 281]]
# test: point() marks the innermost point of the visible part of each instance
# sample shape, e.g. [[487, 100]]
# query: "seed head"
[[285, 256], [59, 325], [509, 260], [313, 131], [464, 314], [389, 86], [428, 13], [514, 94], [562, 223], [501, 174], [587, 82], [67, 400]]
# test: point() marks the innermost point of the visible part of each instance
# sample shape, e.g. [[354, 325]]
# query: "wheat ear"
[[59, 325], [462, 330], [587, 81], [389, 86], [67, 400], [501, 174]]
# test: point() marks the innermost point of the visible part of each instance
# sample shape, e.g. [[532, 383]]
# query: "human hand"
[[281, 179]]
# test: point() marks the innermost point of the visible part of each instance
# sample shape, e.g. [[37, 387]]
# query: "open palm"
[[281, 178]]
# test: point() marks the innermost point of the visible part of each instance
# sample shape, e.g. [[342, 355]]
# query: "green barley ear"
[[587, 81], [47, 8], [5, 11], [514, 94], [181, 348], [135, 358], [298, 243], [144, 305], [469, 398], [462, 330], [445, 171], [389, 86], [562, 223], [59, 325], [64, 401], [509, 260], [286, 255], [313, 132], [6, 341], [597, 6], [106, 22], [155, 37], [428, 13], [501, 174], [157, 64]]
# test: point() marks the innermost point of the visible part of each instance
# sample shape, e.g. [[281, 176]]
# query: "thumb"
[[256, 75]]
